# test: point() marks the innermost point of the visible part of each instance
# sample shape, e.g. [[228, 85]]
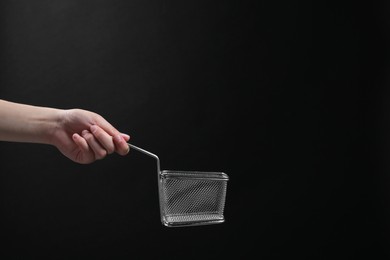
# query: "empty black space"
[[289, 98]]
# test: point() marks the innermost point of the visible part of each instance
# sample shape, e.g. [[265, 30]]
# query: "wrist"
[[52, 126]]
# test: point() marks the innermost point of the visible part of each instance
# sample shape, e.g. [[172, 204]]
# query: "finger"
[[93, 143], [122, 148], [104, 138], [125, 136], [107, 127], [80, 142]]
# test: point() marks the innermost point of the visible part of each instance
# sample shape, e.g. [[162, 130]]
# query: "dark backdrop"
[[288, 98]]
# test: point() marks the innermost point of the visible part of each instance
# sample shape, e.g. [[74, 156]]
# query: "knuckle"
[[101, 154], [98, 133], [88, 137], [124, 150], [110, 149]]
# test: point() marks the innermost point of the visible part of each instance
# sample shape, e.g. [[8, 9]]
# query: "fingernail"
[[125, 137]]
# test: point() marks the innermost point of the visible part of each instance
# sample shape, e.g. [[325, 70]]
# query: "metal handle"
[[132, 146]]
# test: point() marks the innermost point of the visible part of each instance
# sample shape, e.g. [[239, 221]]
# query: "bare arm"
[[25, 123], [81, 135]]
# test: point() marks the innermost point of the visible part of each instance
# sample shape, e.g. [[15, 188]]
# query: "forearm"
[[26, 123]]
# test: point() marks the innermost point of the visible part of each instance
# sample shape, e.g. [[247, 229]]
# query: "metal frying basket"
[[189, 198]]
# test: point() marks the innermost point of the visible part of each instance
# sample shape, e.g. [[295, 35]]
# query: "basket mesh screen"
[[192, 200]]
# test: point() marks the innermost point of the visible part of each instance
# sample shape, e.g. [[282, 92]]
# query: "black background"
[[290, 99]]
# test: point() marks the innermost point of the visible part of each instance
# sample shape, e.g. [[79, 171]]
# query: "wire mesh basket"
[[189, 198]]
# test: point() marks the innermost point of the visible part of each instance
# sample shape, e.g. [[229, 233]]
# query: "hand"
[[85, 137]]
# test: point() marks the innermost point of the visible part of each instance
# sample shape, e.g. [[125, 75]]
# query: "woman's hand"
[[85, 136]]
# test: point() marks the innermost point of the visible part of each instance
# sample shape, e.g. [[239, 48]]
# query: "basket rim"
[[194, 175]]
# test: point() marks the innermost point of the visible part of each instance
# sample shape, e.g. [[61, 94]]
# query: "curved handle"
[[147, 153]]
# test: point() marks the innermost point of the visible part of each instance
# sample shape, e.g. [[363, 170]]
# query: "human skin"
[[81, 135]]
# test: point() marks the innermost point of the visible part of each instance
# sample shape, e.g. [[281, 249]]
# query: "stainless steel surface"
[[192, 198], [132, 146]]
